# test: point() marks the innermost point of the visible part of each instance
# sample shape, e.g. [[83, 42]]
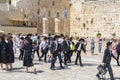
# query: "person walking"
[[107, 60], [1, 66], [118, 51], [20, 48], [55, 51], [11, 57], [36, 44], [66, 49], [79, 48], [44, 48], [71, 47], [28, 59], [4, 52]]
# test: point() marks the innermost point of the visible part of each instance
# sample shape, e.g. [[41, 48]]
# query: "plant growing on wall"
[[84, 25], [98, 35], [114, 35], [92, 21]]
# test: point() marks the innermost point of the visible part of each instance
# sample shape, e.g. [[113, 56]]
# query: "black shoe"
[[62, 67], [98, 76], [40, 59], [76, 64], [68, 61], [81, 65], [52, 68], [118, 64], [65, 63]]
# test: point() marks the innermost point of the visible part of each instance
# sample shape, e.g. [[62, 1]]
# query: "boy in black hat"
[[79, 48], [107, 59]]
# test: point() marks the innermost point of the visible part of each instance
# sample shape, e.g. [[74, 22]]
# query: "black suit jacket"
[[82, 47], [53, 47], [107, 56], [66, 47]]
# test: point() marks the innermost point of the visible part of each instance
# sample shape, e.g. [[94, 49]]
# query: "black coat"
[[82, 47], [27, 61], [53, 47], [107, 56], [11, 56], [0, 52], [66, 47], [4, 52]]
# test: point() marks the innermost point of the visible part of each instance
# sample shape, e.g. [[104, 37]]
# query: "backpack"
[[73, 47]]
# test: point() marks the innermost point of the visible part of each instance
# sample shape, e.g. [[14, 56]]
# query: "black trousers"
[[118, 55], [78, 57], [54, 58], [110, 71], [44, 53], [37, 51], [70, 55], [21, 54], [66, 57], [92, 50]]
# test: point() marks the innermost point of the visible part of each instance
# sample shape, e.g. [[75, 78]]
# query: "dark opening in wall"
[[58, 15], [10, 2], [53, 3]]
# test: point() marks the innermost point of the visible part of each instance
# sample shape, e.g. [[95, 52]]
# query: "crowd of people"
[[51, 47]]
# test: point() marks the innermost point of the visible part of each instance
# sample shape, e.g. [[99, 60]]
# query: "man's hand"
[[104, 64]]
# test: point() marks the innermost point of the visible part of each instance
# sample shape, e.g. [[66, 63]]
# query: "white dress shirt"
[[79, 48], [56, 45], [43, 45]]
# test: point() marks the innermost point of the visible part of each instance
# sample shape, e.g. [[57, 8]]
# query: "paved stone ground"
[[71, 72]]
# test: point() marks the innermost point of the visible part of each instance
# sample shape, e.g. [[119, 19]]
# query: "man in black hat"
[[66, 49], [107, 59], [55, 51], [79, 48]]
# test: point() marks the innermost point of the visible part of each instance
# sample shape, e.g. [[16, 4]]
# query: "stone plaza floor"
[[71, 72]]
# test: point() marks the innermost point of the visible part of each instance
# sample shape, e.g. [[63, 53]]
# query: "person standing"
[[107, 60], [55, 51], [92, 46], [85, 43], [79, 48], [100, 45], [28, 59]]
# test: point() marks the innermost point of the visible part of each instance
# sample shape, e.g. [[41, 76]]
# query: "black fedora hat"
[[108, 43]]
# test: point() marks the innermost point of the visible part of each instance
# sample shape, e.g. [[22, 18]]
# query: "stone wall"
[[90, 17]]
